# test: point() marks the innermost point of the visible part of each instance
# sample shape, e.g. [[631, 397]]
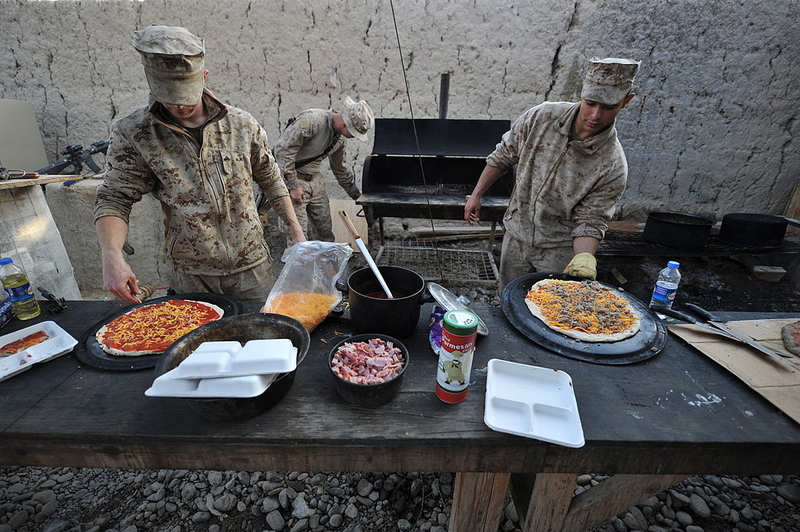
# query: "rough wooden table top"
[[677, 412]]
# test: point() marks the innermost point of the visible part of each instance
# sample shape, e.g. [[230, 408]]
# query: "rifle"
[[76, 157]]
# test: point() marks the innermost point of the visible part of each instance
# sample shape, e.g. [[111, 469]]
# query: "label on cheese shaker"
[[459, 332]]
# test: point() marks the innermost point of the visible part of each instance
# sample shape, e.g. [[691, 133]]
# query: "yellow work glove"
[[582, 265]]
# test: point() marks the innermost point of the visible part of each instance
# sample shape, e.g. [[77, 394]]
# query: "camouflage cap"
[[173, 63], [609, 80], [358, 118]]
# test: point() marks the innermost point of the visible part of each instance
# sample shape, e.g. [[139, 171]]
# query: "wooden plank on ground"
[[340, 232]]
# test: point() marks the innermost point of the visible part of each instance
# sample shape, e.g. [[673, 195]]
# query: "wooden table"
[[650, 424]]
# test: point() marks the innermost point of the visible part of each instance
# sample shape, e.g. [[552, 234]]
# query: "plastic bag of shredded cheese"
[[306, 287]]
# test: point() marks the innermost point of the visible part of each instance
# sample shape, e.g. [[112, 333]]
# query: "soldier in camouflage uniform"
[[310, 138], [571, 171], [199, 158]]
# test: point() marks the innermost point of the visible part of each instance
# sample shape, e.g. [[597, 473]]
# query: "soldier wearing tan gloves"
[[311, 137], [570, 173]]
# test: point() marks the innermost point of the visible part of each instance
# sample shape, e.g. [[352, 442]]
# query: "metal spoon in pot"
[[360, 243]]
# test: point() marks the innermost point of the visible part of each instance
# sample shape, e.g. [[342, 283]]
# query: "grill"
[[444, 265], [452, 154]]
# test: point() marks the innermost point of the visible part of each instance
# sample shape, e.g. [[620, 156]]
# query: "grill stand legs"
[[492, 235]]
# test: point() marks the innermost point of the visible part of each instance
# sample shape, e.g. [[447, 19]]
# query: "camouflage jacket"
[[211, 223], [564, 188], [300, 148]]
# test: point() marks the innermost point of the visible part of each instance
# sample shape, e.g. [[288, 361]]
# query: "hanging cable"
[[416, 141]]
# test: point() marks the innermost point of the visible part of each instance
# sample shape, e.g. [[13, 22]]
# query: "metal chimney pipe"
[[444, 94]]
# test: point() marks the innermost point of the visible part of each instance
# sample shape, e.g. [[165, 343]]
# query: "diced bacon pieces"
[[372, 362]]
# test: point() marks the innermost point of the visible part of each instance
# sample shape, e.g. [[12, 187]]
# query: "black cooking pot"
[[241, 328], [753, 230], [372, 312], [677, 229]]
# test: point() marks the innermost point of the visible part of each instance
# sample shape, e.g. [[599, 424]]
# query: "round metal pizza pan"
[[646, 343], [90, 353]]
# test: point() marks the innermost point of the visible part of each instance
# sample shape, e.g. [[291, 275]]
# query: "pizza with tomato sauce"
[[23, 343], [151, 329], [585, 310]]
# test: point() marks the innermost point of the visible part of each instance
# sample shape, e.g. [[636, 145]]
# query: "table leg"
[[478, 501], [550, 500]]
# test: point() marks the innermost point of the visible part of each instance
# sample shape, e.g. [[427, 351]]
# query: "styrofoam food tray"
[[229, 359], [533, 402], [58, 343], [169, 385]]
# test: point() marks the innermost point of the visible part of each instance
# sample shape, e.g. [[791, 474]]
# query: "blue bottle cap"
[[674, 264], [7, 260]]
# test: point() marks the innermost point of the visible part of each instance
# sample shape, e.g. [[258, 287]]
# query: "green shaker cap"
[[460, 322]]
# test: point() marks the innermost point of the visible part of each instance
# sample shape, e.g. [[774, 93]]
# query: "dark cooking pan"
[[754, 230], [241, 328], [677, 229], [646, 343]]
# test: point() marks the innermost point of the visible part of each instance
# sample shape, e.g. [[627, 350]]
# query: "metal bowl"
[[241, 328], [369, 394]]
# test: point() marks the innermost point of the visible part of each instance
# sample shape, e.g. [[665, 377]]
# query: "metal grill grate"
[[454, 189], [443, 265]]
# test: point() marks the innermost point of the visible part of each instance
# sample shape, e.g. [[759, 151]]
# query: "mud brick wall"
[[712, 130]]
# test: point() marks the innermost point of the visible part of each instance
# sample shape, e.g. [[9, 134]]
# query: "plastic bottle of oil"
[[19, 290]]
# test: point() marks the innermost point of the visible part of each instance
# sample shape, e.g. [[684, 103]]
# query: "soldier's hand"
[[472, 209], [119, 279], [298, 195], [582, 265]]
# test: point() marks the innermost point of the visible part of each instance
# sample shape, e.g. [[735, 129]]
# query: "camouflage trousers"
[[249, 285], [518, 258], [314, 214]]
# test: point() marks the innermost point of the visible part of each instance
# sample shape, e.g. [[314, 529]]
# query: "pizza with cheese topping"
[[16, 346], [151, 329], [585, 310]]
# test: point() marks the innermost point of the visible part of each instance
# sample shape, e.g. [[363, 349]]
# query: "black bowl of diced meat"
[[368, 369]]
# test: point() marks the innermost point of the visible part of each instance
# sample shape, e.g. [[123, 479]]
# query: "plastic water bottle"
[[6, 312], [666, 286], [19, 290]]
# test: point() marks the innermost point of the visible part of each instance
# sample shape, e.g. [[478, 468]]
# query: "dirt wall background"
[[712, 130]]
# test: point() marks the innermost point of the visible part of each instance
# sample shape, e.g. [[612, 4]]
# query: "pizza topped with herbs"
[[585, 310], [151, 329]]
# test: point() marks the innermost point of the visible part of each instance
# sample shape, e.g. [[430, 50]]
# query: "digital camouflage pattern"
[[211, 222], [298, 153], [609, 80], [564, 188]]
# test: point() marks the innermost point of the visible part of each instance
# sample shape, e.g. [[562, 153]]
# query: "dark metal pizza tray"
[[90, 353], [646, 343]]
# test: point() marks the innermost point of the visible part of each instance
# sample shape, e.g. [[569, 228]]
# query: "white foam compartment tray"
[[170, 385], [532, 401], [58, 343], [213, 360]]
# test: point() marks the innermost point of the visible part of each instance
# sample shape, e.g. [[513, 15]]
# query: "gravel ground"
[[94, 500]]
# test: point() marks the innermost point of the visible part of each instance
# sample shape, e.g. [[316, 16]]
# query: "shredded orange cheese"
[[153, 328], [309, 309], [582, 306]]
